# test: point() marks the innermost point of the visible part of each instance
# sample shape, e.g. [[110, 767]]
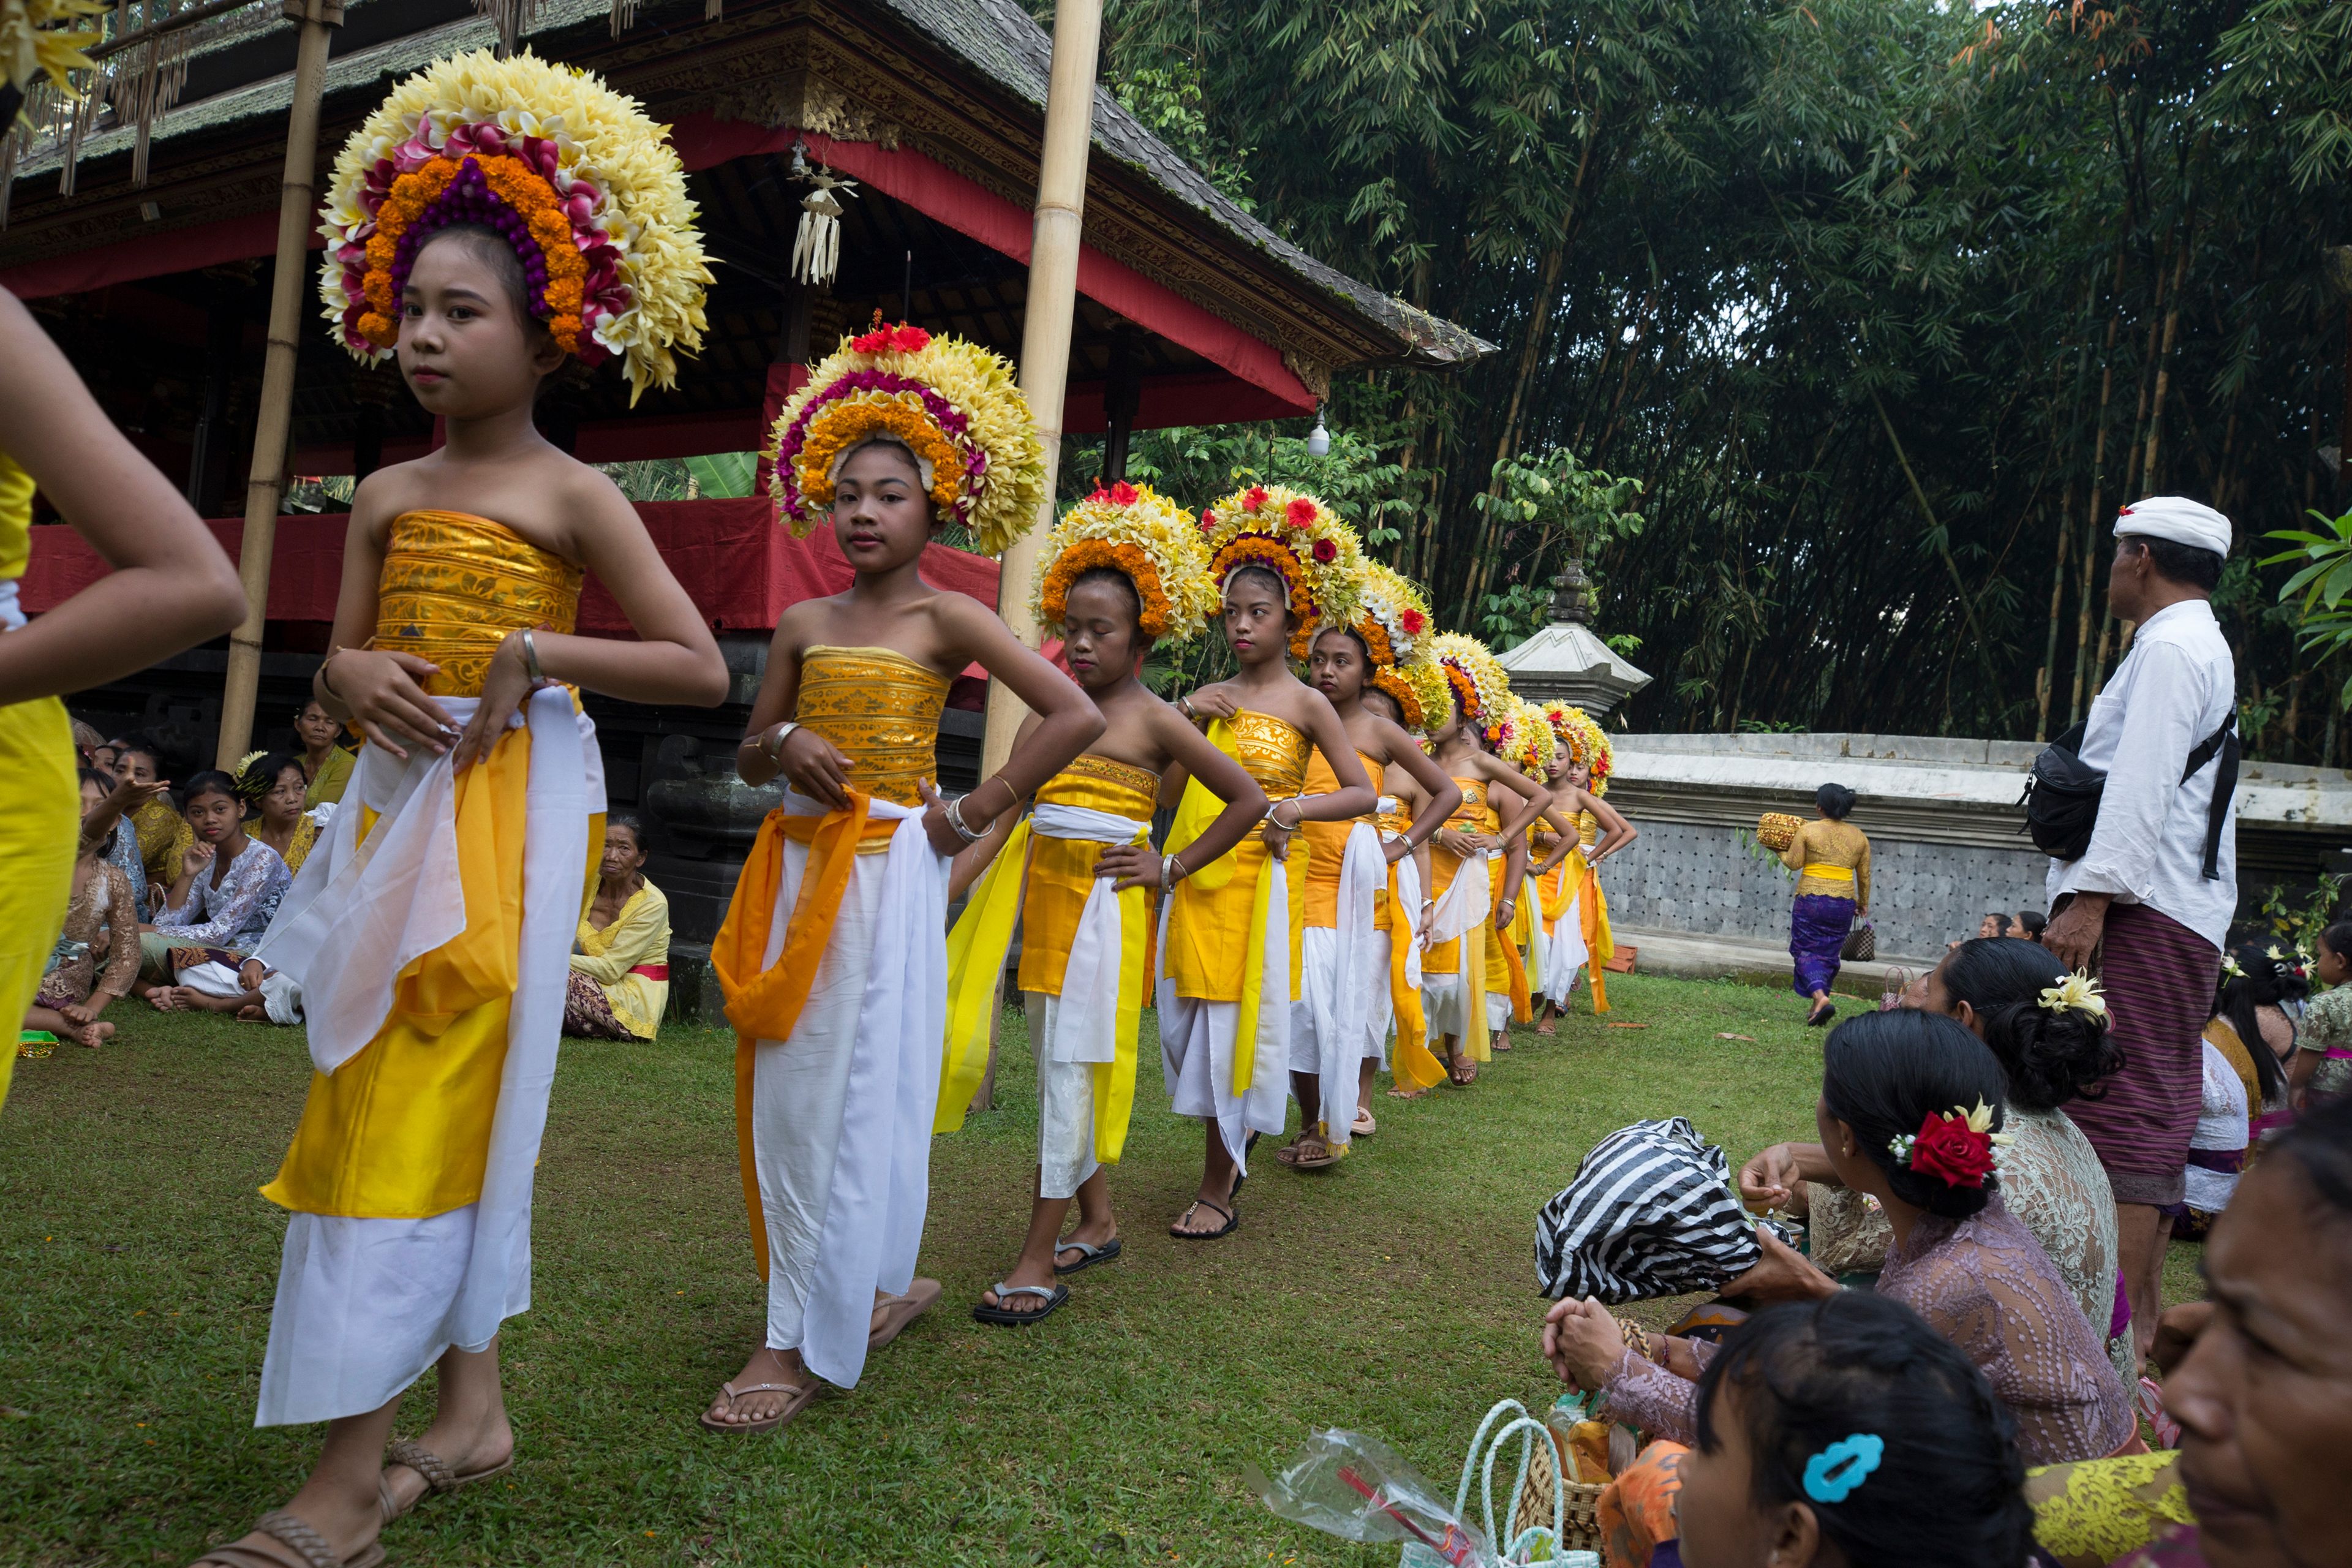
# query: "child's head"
[[2335, 964], [882, 511], [96, 786], [1102, 630], [1884, 1075], [1338, 664], [213, 807], [2051, 1036], [1258, 616], [1848, 1432], [469, 346]]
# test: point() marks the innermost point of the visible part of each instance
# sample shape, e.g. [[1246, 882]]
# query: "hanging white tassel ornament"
[[816, 247]]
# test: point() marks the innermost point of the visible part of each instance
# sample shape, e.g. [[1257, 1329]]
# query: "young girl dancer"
[[430, 928], [834, 954], [1399, 1013], [1591, 776], [1559, 885], [1354, 940], [1230, 965], [1525, 744], [1456, 994], [1123, 571]]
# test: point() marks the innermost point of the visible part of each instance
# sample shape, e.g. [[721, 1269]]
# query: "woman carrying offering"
[[430, 928], [1355, 949], [619, 984], [834, 952], [1831, 859], [1455, 966], [1230, 964], [1559, 890], [101, 926], [1123, 571]]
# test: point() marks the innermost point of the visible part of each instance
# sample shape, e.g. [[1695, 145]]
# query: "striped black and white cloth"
[[1651, 1213]]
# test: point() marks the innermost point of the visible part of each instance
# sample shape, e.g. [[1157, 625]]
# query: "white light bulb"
[[1319, 440]]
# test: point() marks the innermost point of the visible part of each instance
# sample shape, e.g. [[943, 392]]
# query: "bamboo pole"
[[265, 486], [1045, 323]]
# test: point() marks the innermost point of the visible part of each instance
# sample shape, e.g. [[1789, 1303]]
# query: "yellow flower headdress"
[[1137, 531], [1531, 740], [1572, 727], [1482, 690], [35, 45], [1296, 538], [1392, 620], [1603, 757], [1423, 696], [585, 187], [953, 404]]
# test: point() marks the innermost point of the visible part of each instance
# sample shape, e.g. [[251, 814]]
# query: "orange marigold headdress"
[[1137, 531], [1393, 621], [1572, 727], [953, 404], [1423, 696], [1529, 749], [1482, 689], [575, 176], [1296, 538]]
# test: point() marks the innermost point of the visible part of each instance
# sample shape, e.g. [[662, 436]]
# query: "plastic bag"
[[1357, 1489]]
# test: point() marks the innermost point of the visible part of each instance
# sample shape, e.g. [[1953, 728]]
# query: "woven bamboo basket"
[[1580, 1508], [1776, 830]]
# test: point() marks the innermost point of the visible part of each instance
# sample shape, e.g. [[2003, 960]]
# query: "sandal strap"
[[439, 1478], [294, 1533], [1040, 1291], [734, 1394], [1205, 1202]]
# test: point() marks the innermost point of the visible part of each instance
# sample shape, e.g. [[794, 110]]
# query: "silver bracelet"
[[530, 657], [954, 814], [1171, 871]]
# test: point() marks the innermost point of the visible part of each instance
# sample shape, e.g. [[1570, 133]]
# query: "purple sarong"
[[1818, 926], [2159, 977]]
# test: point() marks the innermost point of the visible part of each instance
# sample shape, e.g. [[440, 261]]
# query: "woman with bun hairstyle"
[[1848, 1434], [2049, 1030], [1911, 1111], [1831, 859]]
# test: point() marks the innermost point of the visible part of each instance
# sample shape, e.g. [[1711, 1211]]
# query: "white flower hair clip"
[[2077, 992]]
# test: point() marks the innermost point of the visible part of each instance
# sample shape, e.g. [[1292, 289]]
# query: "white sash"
[[1340, 1028], [1086, 1026], [1406, 917], [1466, 900], [12, 615]]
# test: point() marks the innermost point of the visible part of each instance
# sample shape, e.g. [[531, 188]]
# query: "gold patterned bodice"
[[1588, 829], [454, 585], [1271, 752], [882, 709], [1099, 784], [1470, 817]]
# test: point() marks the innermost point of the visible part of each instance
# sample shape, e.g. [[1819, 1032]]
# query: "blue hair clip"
[[1832, 1475]]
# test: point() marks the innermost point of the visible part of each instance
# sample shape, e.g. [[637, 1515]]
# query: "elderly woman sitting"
[[620, 961]]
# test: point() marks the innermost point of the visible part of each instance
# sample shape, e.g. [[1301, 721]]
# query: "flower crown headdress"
[[1954, 1146], [1394, 624], [1571, 728], [1531, 740], [1299, 540], [1482, 692], [585, 187], [1141, 532], [951, 403], [1603, 757], [1423, 696]]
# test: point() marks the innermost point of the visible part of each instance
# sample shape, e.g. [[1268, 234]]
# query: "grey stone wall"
[[1709, 881]]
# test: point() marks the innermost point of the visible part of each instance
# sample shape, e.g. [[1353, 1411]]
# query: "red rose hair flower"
[[1326, 551], [1952, 1150]]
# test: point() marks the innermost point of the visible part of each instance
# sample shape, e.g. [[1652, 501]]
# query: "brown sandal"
[[1311, 1152], [798, 1398], [898, 1312], [440, 1479], [286, 1542]]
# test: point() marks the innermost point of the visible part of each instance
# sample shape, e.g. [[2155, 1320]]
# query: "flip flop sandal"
[[1088, 1254], [1006, 1318], [798, 1397], [1307, 1159], [288, 1542], [1232, 1219], [898, 1312], [1363, 1126], [1820, 1016], [440, 1479]]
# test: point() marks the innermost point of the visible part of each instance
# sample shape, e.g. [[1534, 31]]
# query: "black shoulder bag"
[[2062, 794]]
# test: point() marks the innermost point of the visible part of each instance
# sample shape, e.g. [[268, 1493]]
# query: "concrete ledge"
[[1689, 955]]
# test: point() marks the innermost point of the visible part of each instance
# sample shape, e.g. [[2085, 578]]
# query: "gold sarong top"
[[1328, 842], [454, 585], [882, 709], [1272, 753], [1470, 817], [1061, 872], [1099, 784]]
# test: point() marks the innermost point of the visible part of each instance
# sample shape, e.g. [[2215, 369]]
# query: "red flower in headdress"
[[1122, 494], [1412, 621], [1208, 520], [1302, 517], [1326, 551], [1255, 499]]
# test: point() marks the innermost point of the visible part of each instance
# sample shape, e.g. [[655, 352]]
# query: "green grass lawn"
[[1394, 1295]]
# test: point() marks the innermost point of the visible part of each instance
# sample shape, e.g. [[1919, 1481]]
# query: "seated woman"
[[163, 835], [272, 786], [226, 892], [102, 923], [326, 766], [620, 961], [123, 798], [2253, 1028], [2049, 1030], [1838, 1433], [1910, 1104]]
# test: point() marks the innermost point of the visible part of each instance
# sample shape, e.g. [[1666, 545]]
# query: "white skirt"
[[1066, 1107]]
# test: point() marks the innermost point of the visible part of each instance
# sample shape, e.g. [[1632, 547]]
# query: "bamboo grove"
[[1886, 305]]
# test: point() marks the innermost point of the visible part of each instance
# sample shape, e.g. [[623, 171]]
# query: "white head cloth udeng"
[[2179, 518]]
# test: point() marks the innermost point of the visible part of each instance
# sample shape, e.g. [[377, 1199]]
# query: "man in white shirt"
[[2152, 898]]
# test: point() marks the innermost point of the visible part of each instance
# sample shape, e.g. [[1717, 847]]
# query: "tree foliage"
[[1886, 304]]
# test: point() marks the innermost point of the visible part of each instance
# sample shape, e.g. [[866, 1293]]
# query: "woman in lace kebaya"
[[226, 892], [1911, 1103]]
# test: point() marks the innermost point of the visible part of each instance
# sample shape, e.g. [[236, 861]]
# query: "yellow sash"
[[1593, 910], [1563, 889], [977, 945], [765, 1004], [1413, 1063], [1194, 812], [1831, 873], [1522, 1004]]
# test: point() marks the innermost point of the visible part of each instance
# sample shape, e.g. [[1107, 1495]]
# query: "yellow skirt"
[[1208, 929], [38, 834]]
